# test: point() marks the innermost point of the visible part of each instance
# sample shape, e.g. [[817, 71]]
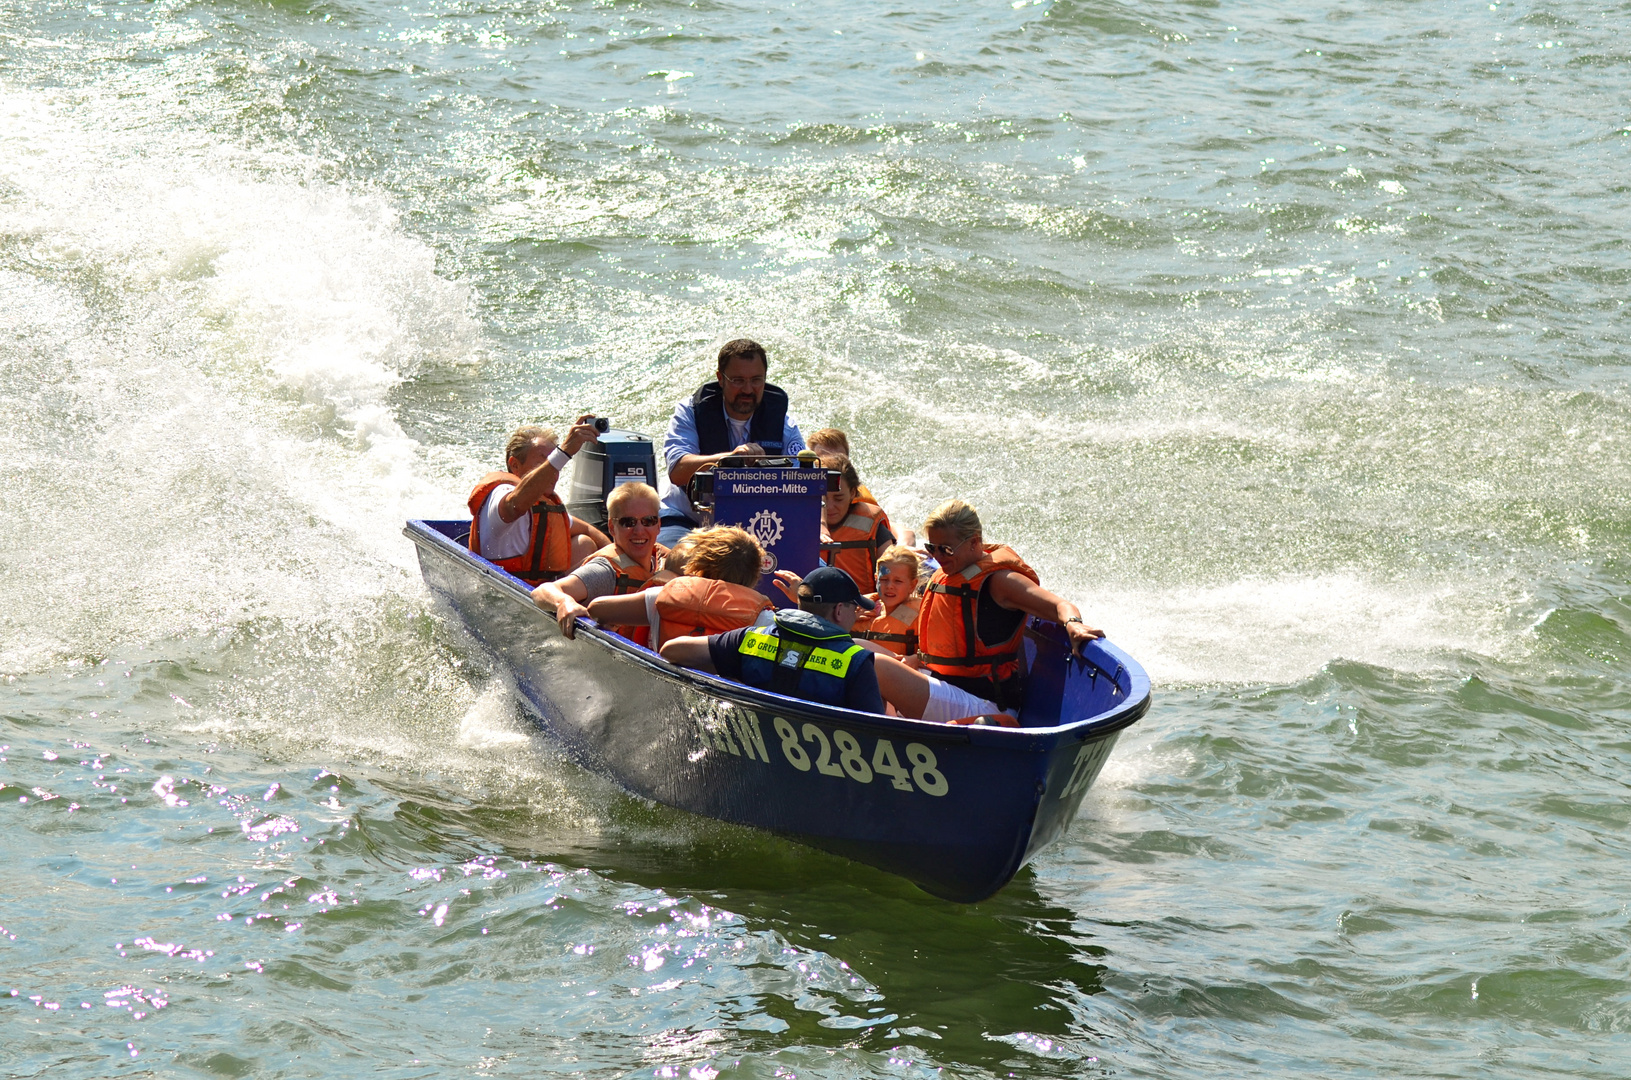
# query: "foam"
[[212, 339], [1282, 629], [1226, 493], [491, 724]]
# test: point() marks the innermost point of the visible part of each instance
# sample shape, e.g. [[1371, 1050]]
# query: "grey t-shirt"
[[597, 577]]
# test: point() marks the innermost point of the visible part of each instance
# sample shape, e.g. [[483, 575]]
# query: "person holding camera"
[[737, 413], [518, 522]]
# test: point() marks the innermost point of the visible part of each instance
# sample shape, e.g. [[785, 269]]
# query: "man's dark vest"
[[801, 655], [714, 435]]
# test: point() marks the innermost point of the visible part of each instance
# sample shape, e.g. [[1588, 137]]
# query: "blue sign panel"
[[782, 508]]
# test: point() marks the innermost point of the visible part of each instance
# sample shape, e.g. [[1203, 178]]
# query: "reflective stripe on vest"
[[771, 647], [758, 643], [863, 524], [854, 544]]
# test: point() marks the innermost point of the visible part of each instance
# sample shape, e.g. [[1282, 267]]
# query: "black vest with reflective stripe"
[[800, 655]]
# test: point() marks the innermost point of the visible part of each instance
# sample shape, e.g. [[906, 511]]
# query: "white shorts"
[[947, 703]]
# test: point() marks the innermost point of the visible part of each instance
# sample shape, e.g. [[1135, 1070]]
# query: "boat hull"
[[957, 810]]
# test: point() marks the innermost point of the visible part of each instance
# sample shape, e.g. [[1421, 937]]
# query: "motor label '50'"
[[808, 746]]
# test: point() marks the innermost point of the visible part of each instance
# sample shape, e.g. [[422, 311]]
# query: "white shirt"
[[502, 539]]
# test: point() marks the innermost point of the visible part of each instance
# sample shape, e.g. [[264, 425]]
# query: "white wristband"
[[559, 458]]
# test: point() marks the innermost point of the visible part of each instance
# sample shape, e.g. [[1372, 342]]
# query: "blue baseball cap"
[[830, 585]]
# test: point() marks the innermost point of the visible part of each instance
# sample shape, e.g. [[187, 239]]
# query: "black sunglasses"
[[631, 522], [943, 551]]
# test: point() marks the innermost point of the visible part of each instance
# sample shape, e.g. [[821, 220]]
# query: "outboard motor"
[[619, 457]]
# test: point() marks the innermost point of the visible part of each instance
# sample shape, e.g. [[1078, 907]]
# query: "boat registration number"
[[808, 746]]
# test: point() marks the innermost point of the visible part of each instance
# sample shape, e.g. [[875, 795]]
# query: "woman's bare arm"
[[1016, 592], [626, 610], [565, 596]]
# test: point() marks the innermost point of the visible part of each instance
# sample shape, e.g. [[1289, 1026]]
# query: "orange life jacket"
[[864, 494], [694, 605], [551, 551], [854, 546], [945, 624], [897, 634], [631, 578]]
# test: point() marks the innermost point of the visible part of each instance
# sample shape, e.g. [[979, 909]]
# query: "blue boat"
[[957, 810]]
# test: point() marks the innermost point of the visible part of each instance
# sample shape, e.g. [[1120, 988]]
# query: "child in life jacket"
[[893, 624], [854, 533], [714, 594]]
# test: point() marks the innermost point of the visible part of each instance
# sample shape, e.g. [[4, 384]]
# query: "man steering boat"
[[738, 413]]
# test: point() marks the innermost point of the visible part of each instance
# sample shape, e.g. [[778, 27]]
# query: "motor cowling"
[[617, 457]]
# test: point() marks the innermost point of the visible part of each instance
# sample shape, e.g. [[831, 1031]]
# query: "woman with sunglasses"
[[630, 563], [989, 590]]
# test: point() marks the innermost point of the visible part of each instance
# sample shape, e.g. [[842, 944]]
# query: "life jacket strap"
[[909, 639], [991, 660], [540, 543]]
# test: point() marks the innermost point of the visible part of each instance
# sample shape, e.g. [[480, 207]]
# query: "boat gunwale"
[[1123, 715]]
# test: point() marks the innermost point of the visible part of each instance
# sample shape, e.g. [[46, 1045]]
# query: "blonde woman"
[[631, 562], [716, 592]]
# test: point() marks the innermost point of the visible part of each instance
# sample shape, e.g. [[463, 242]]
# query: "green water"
[[1289, 342]]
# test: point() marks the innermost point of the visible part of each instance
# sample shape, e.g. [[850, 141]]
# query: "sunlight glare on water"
[[1289, 343]]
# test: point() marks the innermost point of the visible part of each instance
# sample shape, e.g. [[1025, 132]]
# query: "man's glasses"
[[736, 382], [943, 551], [630, 522]]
